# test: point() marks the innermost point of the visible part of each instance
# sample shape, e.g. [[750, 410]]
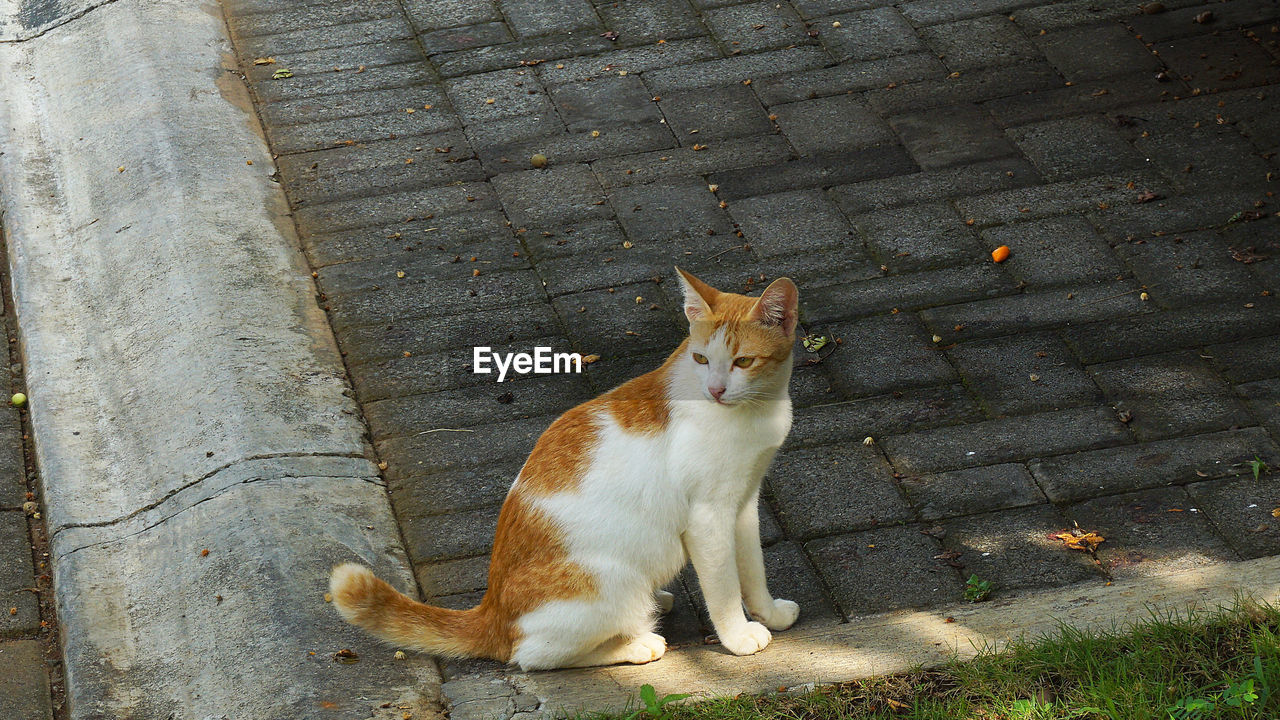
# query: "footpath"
[[295, 222]]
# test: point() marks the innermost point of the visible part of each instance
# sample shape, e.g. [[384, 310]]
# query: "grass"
[[1176, 666]]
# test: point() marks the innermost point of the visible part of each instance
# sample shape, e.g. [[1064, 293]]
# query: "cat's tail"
[[372, 604]]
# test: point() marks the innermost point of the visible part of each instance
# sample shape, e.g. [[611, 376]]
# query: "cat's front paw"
[[753, 638], [782, 615]]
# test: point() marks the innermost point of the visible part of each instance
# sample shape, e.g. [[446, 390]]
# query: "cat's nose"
[[716, 391]]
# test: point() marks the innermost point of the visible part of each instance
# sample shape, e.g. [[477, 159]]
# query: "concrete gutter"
[[186, 391], [872, 645]]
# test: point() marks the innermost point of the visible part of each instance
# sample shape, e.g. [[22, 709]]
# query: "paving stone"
[[839, 262], [1169, 215], [24, 686], [393, 166], [975, 86], [1188, 269], [1245, 360], [445, 296], [791, 575], [789, 222], [868, 35], [1059, 198], [1096, 52], [1075, 148], [552, 196], [720, 156], [585, 106], [736, 69], [887, 352], [575, 239], [932, 12], [1181, 22], [647, 21], [1069, 478], [824, 170], [443, 237], [820, 8], [884, 569], [483, 446], [1150, 533], [835, 489], [384, 209], [1012, 550], [1123, 337], [434, 538], [838, 123], [631, 61], [508, 153], [1221, 61], [463, 38], [302, 62], [325, 84], [392, 337], [497, 95], [345, 131], [811, 385], [1000, 371], [1170, 395], [420, 492], [310, 17], [407, 269], [613, 324], [1063, 307], [1240, 510], [311, 39], [683, 625], [896, 412], [1074, 13], [1004, 440], [1263, 398], [980, 42], [25, 622], [1186, 142], [436, 14], [756, 26], [16, 571], [915, 188], [972, 491], [918, 237], [424, 373], [529, 17], [520, 53], [1054, 251], [366, 102], [969, 135], [13, 484], [1080, 98], [907, 292], [697, 117], [454, 577], [846, 76], [534, 396], [681, 211]]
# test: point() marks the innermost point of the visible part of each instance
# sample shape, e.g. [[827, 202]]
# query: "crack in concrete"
[[220, 492], [201, 479], [21, 38]]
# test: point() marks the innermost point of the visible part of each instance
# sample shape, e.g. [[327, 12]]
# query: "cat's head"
[[739, 347]]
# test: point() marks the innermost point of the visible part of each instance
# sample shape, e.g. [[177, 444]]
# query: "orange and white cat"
[[617, 495]]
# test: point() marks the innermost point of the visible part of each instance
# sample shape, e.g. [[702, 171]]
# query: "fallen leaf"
[[264, 61], [610, 35], [346, 656], [1204, 17], [1247, 256], [588, 359], [1147, 196], [281, 74], [1079, 540], [1275, 513]]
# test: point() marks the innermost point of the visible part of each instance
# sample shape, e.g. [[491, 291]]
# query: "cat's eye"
[[743, 361], [700, 359]]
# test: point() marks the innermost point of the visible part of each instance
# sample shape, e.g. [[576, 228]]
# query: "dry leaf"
[[1087, 541]]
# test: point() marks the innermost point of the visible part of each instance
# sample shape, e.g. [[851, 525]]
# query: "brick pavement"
[[29, 653], [1116, 373]]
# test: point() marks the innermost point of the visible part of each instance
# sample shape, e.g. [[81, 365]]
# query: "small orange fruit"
[[1000, 254]]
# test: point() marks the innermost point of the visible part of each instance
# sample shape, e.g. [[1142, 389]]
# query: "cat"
[[617, 495]]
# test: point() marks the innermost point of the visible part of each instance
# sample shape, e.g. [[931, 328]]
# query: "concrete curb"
[[202, 463], [873, 645]]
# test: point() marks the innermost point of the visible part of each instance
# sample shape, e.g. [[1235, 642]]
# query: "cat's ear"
[[779, 305], [698, 296]]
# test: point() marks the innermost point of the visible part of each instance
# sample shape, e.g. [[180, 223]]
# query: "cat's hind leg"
[[582, 633]]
